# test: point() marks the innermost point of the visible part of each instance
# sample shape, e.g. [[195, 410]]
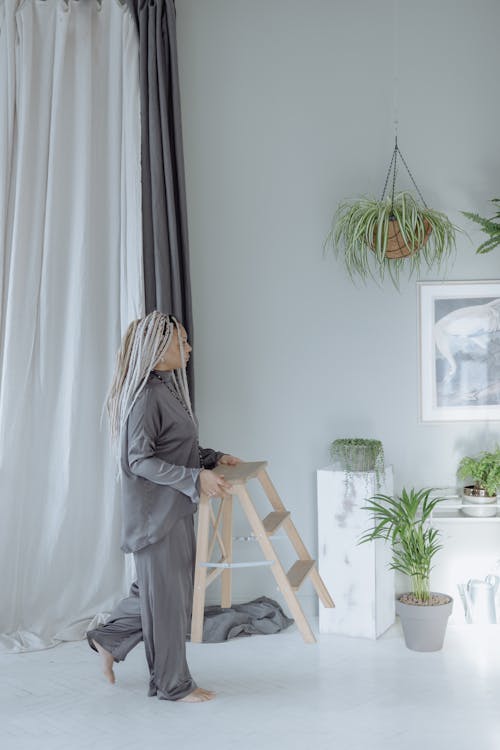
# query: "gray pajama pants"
[[158, 611]]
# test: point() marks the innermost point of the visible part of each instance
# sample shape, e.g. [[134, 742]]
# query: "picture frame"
[[459, 350]]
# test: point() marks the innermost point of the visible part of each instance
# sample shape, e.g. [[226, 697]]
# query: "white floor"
[[273, 692]]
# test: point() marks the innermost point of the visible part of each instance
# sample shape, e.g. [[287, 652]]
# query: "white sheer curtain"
[[70, 281]]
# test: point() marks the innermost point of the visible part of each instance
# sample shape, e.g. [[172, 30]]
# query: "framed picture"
[[459, 350]]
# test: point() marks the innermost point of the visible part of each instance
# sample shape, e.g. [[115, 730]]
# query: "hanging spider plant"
[[489, 226], [388, 235]]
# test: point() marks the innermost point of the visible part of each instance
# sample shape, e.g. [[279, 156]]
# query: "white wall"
[[287, 109]]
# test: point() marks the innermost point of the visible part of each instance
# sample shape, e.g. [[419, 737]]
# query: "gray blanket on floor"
[[260, 616]]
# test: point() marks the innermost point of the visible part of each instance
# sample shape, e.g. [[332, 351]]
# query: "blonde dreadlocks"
[[145, 341]]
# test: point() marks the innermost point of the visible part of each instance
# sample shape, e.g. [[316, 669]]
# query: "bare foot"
[[199, 695], [107, 662]]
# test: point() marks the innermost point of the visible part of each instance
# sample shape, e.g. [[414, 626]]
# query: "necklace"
[[173, 391], [179, 398]]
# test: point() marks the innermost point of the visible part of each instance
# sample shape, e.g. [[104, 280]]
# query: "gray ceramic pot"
[[424, 627]]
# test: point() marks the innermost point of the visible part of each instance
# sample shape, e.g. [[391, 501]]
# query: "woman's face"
[[172, 359]]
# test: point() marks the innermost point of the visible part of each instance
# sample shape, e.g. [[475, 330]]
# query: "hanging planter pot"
[[397, 232], [397, 246]]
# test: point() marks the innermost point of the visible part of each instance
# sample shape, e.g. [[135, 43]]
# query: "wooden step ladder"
[[206, 571]]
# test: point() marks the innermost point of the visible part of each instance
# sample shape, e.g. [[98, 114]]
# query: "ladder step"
[[253, 538], [298, 572], [273, 521], [240, 473], [255, 564]]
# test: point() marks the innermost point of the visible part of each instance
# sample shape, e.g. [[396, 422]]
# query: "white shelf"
[[459, 517], [451, 509]]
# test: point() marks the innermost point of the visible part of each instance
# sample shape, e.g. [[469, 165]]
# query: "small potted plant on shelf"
[[404, 523], [379, 236], [489, 226], [484, 470]]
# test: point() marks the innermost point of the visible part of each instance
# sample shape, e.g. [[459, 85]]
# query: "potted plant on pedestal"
[[484, 470], [358, 454], [353, 455], [404, 522]]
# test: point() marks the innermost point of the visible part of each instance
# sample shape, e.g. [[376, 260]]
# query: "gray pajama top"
[[160, 464]]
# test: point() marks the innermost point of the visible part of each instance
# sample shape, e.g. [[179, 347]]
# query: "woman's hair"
[[145, 341]]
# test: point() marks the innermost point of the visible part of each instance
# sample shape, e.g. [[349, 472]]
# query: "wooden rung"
[[273, 521], [240, 473], [254, 564], [212, 575], [298, 572]]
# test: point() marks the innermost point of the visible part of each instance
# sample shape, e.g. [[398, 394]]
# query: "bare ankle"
[[107, 662]]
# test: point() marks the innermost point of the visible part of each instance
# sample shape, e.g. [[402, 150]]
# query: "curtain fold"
[[164, 215], [71, 280]]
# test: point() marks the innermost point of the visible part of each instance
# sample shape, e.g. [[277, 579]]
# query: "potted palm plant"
[[404, 523], [484, 470], [490, 226], [377, 237]]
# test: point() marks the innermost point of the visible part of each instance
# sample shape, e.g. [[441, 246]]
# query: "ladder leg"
[[277, 568], [301, 550], [270, 490], [296, 540], [321, 589], [227, 539], [200, 573]]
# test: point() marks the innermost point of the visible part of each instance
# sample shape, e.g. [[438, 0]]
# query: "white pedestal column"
[[357, 576]]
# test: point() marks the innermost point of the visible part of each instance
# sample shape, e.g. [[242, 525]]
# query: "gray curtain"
[[164, 223]]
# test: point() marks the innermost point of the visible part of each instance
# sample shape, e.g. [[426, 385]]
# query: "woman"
[[163, 472]]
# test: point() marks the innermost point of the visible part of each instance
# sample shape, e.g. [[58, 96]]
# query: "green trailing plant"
[[404, 522], [358, 454], [361, 230], [490, 226], [483, 469]]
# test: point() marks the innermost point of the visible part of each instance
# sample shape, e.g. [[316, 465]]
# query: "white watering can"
[[478, 597]]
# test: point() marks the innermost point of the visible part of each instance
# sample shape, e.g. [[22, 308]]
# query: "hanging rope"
[[393, 168], [395, 66]]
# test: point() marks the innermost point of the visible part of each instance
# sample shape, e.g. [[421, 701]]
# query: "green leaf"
[[359, 225], [404, 522], [489, 226]]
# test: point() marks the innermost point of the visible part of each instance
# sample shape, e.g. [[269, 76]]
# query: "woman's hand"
[[212, 484], [228, 460]]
